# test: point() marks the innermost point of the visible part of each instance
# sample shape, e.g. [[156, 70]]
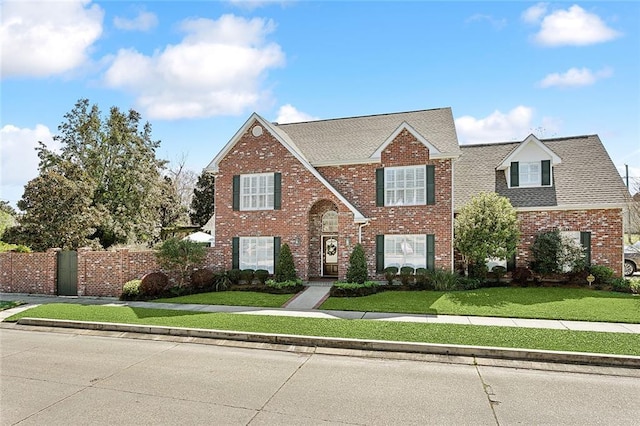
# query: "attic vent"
[[257, 131]]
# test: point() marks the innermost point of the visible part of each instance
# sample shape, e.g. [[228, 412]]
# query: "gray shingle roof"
[[355, 139], [586, 175]]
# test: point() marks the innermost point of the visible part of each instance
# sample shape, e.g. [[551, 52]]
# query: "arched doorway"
[[324, 241]]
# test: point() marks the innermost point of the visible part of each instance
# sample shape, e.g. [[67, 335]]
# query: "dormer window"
[[530, 173]]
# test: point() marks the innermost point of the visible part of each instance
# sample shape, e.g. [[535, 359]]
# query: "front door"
[[330, 256]]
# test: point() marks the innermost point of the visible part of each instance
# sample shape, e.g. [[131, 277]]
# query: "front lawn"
[[511, 337], [534, 302], [235, 298], [8, 305]]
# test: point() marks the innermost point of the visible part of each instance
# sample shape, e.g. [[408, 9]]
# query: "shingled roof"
[[586, 176], [356, 139]]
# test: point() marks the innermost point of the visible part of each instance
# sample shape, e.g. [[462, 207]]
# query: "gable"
[[529, 150]]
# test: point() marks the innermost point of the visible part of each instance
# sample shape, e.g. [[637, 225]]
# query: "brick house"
[[392, 182]]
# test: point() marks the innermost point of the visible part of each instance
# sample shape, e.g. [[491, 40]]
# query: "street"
[[72, 379]]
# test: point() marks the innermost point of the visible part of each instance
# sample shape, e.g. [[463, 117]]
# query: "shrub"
[[621, 285], [357, 270], [181, 256], [421, 278], [521, 275], [443, 280], [290, 286], [262, 275], [203, 279], [342, 289], [468, 283], [16, 248], [154, 284], [390, 273], [499, 272], [222, 282], [634, 285], [545, 251], [603, 275], [406, 275], [131, 290], [247, 275], [478, 270], [285, 269], [234, 276]]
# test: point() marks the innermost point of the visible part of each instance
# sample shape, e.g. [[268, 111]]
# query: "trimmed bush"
[[604, 276], [234, 275], [357, 271], [390, 273], [634, 285], [342, 289], [406, 275], [202, 279], [521, 275], [422, 280], [131, 290], [154, 284], [247, 275], [285, 269], [285, 287], [262, 275], [621, 285]]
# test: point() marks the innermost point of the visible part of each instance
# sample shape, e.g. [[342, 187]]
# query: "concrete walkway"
[[299, 308]]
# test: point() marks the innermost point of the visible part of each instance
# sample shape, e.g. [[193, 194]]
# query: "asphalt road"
[[73, 379]]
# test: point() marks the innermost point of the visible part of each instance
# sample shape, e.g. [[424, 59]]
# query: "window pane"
[[405, 185], [257, 191], [256, 253], [405, 250]]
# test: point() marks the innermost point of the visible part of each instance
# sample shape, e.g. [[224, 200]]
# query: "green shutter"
[[277, 191], [379, 253], [515, 174], [235, 250], [277, 241], [236, 192], [431, 251], [585, 241], [431, 184], [379, 187], [546, 172]]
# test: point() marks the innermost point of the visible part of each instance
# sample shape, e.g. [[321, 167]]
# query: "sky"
[[197, 70]]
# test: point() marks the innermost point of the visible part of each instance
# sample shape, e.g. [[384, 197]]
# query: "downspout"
[[362, 225]]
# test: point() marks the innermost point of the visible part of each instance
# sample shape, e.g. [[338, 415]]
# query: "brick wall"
[[28, 272], [605, 226], [100, 273], [305, 199]]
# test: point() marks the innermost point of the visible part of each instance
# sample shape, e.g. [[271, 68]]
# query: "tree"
[[184, 183], [58, 212], [285, 268], [357, 271], [7, 217], [117, 155], [202, 203], [180, 255], [487, 226]]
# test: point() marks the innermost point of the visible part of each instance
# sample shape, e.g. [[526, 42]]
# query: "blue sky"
[[197, 70]]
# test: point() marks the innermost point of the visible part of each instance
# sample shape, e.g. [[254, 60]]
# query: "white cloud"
[[44, 38], [535, 13], [217, 69], [18, 157], [575, 77], [497, 127], [289, 114], [143, 22], [574, 26], [497, 23]]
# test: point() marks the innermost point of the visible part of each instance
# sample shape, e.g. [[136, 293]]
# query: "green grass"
[[536, 302], [237, 298], [512, 337], [8, 305]]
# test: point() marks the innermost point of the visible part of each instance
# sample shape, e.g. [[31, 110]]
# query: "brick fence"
[[100, 273]]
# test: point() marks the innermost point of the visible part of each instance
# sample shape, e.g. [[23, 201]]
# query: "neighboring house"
[[392, 182]]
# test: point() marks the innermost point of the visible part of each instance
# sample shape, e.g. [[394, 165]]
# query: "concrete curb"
[[604, 360]]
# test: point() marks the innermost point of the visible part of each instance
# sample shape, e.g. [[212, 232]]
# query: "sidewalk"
[[294, 309]]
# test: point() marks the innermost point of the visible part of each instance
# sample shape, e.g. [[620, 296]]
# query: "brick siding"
[[28, 272]]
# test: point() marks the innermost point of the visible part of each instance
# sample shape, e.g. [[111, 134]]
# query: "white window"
[[530, 174], [404, 186], [256, 192], [405, 250], [330, 222], [256, 253]]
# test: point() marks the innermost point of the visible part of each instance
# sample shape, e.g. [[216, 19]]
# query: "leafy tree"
[[58, 212], [117, 155], [170, 210], [357, 271], [181, 256], [285, 268], [202, 204], [7, 217], [486, 227], [184, 183], [553, 253]]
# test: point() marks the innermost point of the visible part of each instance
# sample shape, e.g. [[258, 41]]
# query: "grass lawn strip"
[[510, 302], [235, 298], [507, 337], [8, 304]]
